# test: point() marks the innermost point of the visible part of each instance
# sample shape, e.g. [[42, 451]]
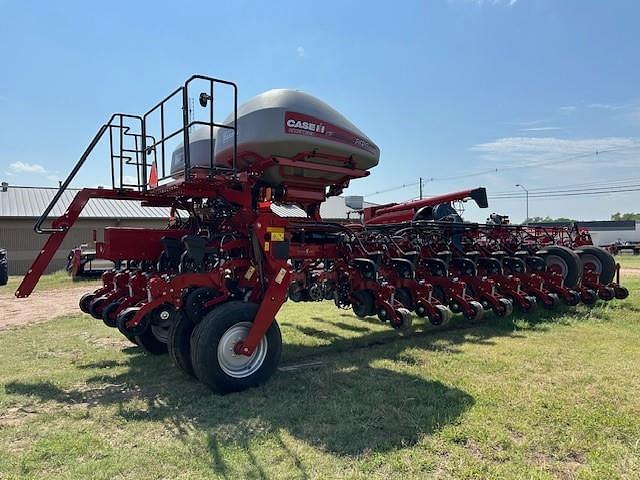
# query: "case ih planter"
[[245, 233]]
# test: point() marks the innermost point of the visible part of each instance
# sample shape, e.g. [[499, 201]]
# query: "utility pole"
[[527, 200], [420, 188]]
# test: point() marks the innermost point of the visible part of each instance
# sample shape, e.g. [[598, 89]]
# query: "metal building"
[[21, 206]]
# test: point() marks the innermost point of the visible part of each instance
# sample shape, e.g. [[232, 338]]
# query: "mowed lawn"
[[52, 281], [628, 261], [553, 395]]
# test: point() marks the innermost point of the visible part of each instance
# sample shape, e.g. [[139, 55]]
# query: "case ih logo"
[[311, 126], [300, 124]]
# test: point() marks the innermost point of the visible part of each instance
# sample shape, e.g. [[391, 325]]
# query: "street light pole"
[[527, 200]]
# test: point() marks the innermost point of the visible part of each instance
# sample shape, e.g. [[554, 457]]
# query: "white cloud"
[[529, 123], [130, 180], [539, 129], [568, 108], [300, 51], [493, 2], [24, 167], [606, 106], [559, 153]]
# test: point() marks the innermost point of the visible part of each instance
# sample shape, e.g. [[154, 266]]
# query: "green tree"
[[626, 216], [549, 219]]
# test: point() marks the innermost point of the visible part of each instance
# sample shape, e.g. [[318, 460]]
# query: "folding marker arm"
[[60, 227]]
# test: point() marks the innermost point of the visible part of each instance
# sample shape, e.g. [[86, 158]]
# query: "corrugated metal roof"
[[32, 201]]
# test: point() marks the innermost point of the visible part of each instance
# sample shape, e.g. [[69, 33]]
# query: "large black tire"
[[96, 306], [365, 303], [602, 260], [295, 293], [150, 343], [179, 343], [212, 340], [403, 295], [108, 314], [85, 300], [566, 260]]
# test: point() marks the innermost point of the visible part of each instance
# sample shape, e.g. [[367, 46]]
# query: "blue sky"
[[532, 88]]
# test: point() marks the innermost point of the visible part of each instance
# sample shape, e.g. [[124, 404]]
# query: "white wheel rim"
[[555, 260], [240, 366], [595, 261]]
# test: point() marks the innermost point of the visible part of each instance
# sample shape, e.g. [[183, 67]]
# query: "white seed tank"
[[200, 149], [288, 122], [284, 123]]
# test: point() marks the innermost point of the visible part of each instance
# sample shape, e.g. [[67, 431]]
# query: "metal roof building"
[[21, 206], [21, 202]]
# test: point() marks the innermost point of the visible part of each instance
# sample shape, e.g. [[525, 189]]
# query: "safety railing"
[[206, 99], [132, 149]]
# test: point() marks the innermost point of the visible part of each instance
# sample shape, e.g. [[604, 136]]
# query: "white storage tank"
[[200, 150], [288, 122]]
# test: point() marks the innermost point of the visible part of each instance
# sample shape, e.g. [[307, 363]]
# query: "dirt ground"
[[40, 306], [43, 306], [629, 272]]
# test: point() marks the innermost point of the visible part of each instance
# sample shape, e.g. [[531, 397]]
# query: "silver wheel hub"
[[238, 365]]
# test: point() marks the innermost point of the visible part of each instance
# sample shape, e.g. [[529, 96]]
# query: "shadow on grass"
[[348, 408]]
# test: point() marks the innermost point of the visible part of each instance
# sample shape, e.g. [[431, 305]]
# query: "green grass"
[[60, 279], [628, 261], [554, 395]]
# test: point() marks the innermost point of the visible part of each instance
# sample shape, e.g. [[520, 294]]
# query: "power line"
[[391, 189], [568, 194], [497, 170], [558, 190], [588, 184], [532, 165]]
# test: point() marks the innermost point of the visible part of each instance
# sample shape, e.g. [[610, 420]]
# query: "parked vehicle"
[[4, 267]]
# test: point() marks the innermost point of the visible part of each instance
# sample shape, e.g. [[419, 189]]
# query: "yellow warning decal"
[[277, 233], [266, 246], [277, 237]]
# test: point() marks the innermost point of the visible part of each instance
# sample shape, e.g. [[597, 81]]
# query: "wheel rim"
[[161, 323], [240, 366], [558, 265], [591, 262]]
